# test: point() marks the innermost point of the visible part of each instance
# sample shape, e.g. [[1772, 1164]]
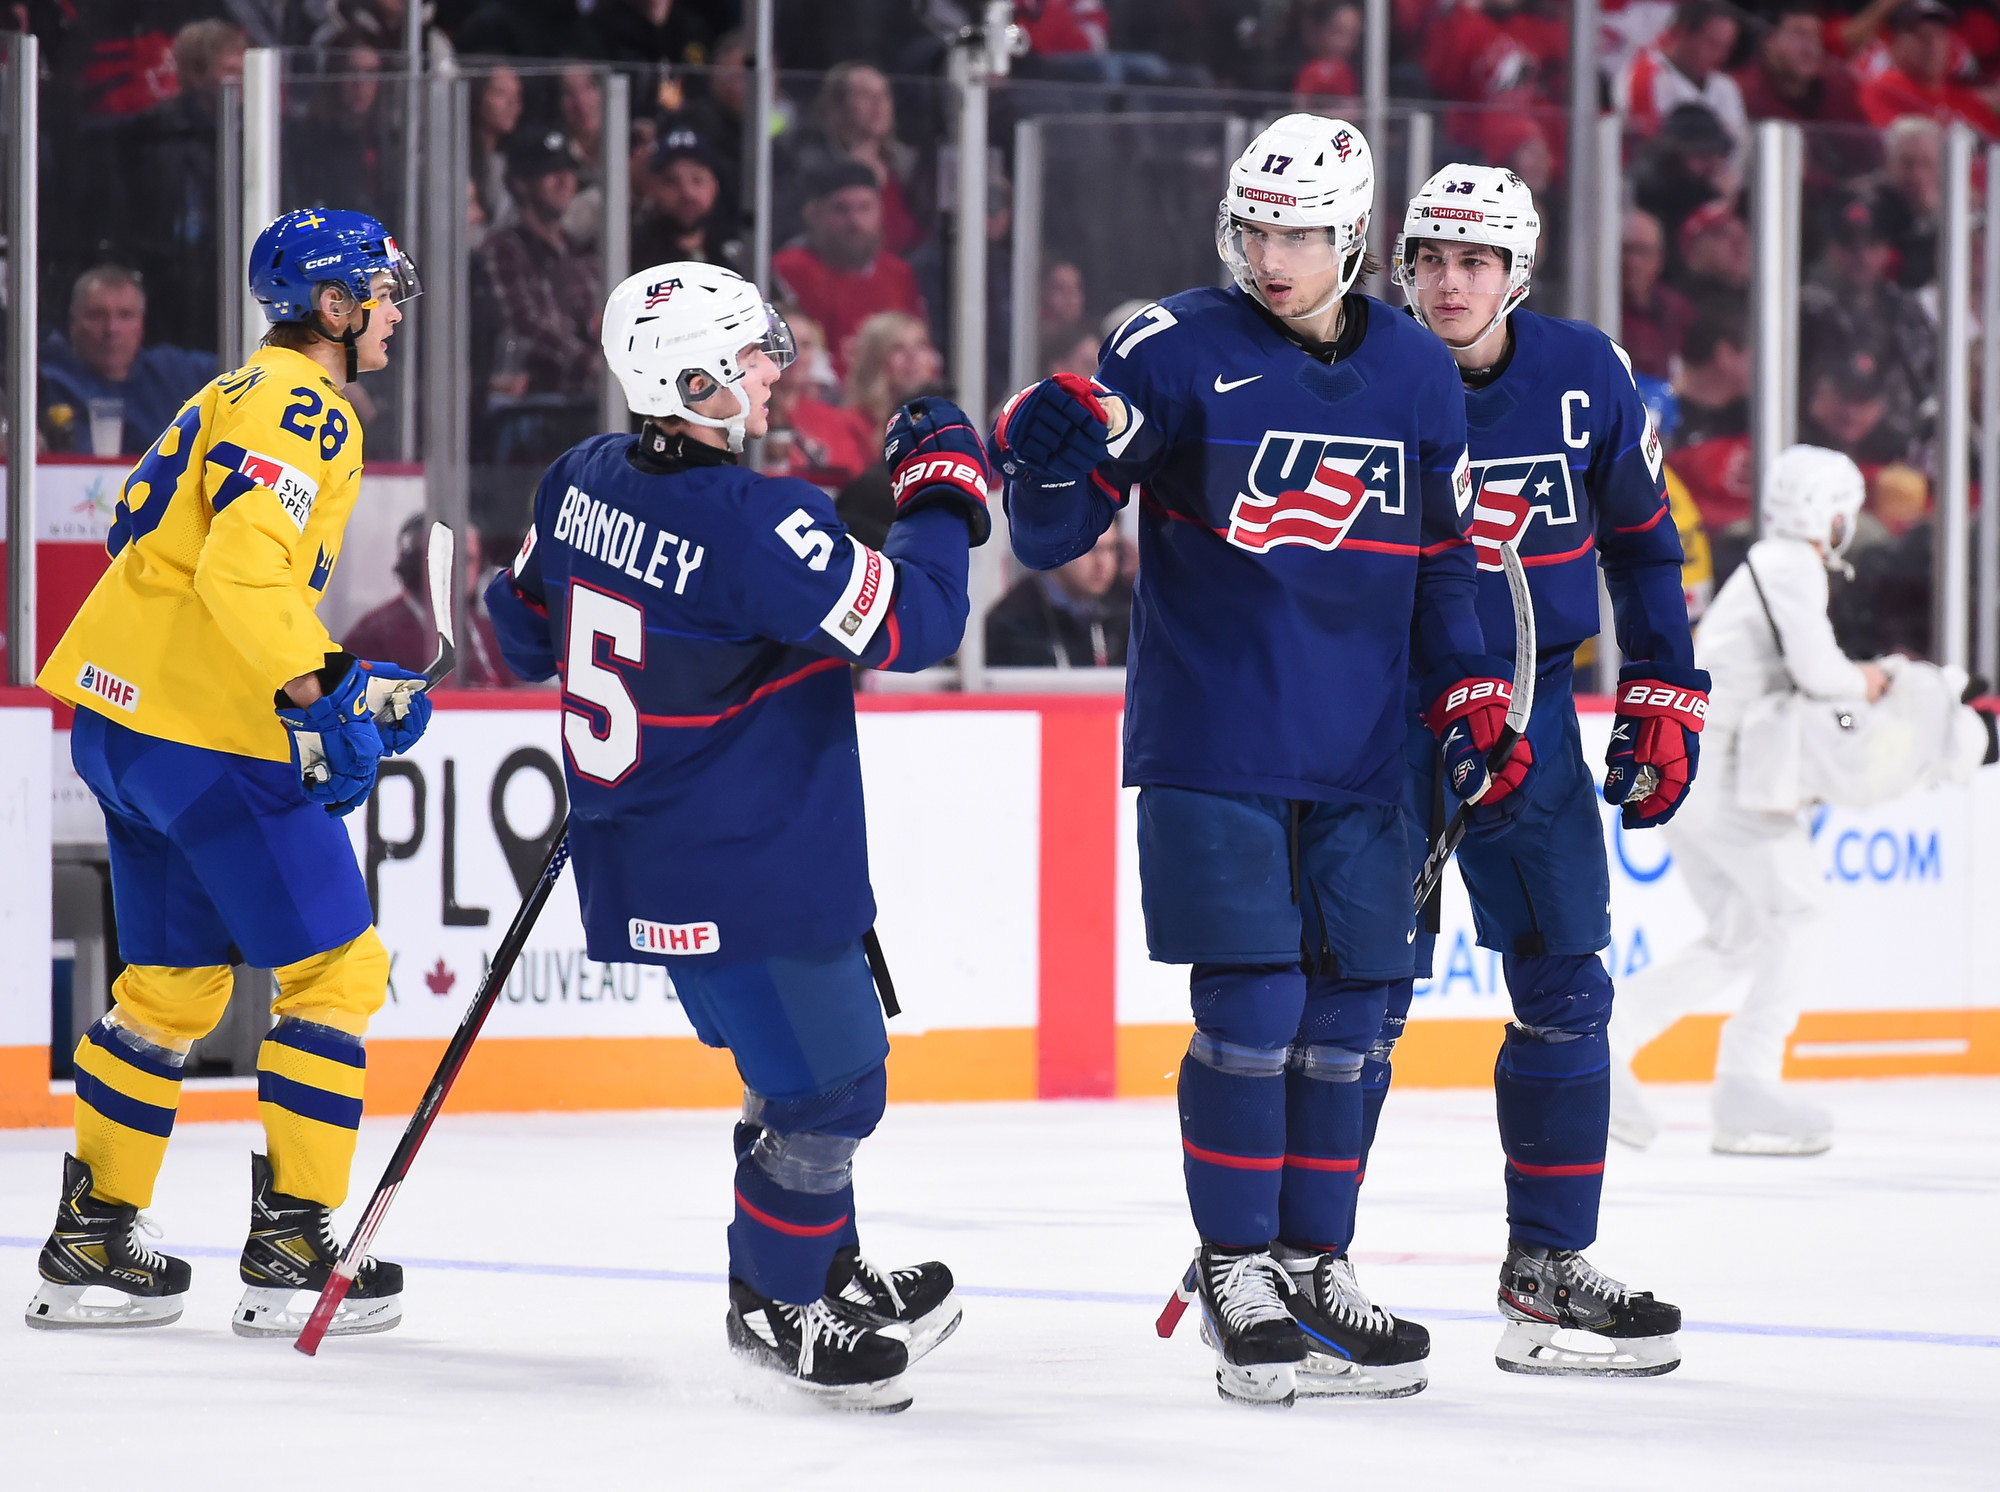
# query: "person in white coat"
[[1791, 720]]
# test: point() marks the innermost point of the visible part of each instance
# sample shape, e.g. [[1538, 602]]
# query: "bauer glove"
[[935, 456], [397, 700], [1058, 427], [335, 745], [1661, 710], [1467, 718]]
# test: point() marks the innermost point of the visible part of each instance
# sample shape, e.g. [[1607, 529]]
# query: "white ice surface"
[[564, 1324]]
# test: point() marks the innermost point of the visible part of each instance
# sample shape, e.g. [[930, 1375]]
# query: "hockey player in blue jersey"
[[1565, 465], [704, 622], [1297, 451]]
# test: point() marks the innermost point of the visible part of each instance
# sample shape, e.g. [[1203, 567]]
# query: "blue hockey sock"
[[1232, 1098], [1376, 1072], [782, 1242], [1552, 1091], [1325, 1111]]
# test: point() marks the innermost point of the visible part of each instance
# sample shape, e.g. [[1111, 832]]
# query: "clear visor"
[[1483, 273], [403, 281], [1839, 534], [779, 344], [1270, 252]]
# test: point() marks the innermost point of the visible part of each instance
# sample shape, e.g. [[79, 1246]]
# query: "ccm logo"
[[937, 469], [1466, 694], [1664, 697], [675, 937]]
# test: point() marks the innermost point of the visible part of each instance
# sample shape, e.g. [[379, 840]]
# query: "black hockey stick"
[[1518, 710], [427, 1108]]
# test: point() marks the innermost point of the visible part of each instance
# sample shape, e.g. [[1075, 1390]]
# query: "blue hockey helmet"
[[316, 246]]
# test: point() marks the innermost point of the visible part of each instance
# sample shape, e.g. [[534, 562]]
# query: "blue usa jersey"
[[703, 621], [1301, 541], [1565, 459]]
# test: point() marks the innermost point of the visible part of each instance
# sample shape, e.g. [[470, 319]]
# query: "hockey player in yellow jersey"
[[195, 666]]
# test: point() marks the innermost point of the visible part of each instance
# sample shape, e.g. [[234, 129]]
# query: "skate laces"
[[817, 1321], [142, 1255], [878, 1282], [1346, 1299], [1246, 1290], [1587, 1276]]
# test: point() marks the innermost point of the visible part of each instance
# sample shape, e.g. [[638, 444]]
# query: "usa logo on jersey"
[[1310, 489], [1509, 494]]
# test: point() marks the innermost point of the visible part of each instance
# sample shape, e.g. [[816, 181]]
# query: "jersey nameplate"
[[863, 603], [1310, 489], [614, 538]]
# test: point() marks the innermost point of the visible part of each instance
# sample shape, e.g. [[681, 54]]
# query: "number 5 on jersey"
[[605, 755]]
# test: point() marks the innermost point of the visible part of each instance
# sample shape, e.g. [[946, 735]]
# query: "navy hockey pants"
[[1297, 919], [809, 1042], [1540, 891]]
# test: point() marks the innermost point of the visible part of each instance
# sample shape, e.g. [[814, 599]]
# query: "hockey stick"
[[427, 1108], [1518, 710], [393, 695]]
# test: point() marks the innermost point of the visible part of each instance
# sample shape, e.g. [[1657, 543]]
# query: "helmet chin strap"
[[734, 424], [346, 339]]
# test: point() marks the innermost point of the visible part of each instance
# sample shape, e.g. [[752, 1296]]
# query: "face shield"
[[779, 345], [396, 281], [1437, 268], [1272, 252]]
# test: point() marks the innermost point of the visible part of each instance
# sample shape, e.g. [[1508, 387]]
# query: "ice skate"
[[1754, 1118], [1354, 1347], [290, 1253], [841, 1355], [96, 1272], [1258, 1345], [918, 1299], [1632, 1122], [1564, 1317]]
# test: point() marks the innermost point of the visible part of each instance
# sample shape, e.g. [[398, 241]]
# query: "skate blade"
[[1324, 1376], [269, 1313], [885, 1396], [930, 1329], [1537, 1347], [63, 1308], [1764, 1142], [1267, 1385]]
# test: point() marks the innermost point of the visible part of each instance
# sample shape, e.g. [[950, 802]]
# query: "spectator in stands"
[[854, 120], [1917, 80], [1685, 66], [400, 630], [1793, 77], [1711, 440], [715, 109], [495, 115], [1329, 32], [1849, 306], [1479, 52], [1847, 408], [1062, 302], [679, 214], [1906, 197], [823, 443], [1685, 165], [1070, 348], [672, 31], [929, 264], [1655, 316], [1714, 253], [894, 360], [103, 360], [581, 105], [166, 213], [343, 159], [841, 275], [544, 285], [1076, 616]]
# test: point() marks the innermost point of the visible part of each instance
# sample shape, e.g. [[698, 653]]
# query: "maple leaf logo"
[[440, 979]]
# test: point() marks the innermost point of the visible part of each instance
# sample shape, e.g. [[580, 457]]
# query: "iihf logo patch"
[[658, 295], [1507, 497], [1310, 489]]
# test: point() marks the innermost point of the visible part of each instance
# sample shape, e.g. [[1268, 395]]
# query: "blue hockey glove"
[[1467, 718], [935, 456], [1655, 741], [335, 745], [1058, 427], [401, 709]]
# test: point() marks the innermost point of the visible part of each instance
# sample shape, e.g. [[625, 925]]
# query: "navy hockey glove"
[[935, 456], [401, 709], [1661, 710], [1467, 718], [335, 745], [1058, 427]]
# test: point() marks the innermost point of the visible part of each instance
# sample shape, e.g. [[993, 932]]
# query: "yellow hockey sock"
[[128, 1090], [309, 1081]]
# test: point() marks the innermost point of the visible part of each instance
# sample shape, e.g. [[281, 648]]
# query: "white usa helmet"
[[1815, 494], [675, 333], [1473, 204], [1302, 172]]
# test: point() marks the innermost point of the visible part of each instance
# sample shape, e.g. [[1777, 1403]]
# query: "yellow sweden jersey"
[[226, 534]]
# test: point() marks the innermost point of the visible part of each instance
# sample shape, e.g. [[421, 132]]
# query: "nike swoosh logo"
[[1223, 388]]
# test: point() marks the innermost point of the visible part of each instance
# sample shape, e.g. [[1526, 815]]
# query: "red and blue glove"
[[335, 745], [1661, 710], [1467, 717], [1058, 428], [935, 456]]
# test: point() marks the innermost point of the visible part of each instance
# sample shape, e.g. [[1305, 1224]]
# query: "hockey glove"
[[335, 745], [401, 709], [1661, 710], [935, 456], [1467, 719], [1058, 427]]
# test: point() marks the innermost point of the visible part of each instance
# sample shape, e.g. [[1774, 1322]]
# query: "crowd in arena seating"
[[863, 261]]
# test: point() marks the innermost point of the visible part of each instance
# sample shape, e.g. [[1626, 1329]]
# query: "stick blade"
[[1523, 702], [442, 547]]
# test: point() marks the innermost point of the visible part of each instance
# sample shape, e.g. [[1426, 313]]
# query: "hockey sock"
[[128, 1089], [1552, 1090], [1325, 1111], [1232, 1098], [309, 1081], [1376, 1072], [795, 1185]]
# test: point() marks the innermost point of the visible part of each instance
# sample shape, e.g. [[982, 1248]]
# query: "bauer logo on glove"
[[1655, 741]]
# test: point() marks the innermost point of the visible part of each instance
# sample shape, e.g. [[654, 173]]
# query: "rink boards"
[[1002, 857]]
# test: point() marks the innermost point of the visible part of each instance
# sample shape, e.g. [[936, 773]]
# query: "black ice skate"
[[919, 1298], [843, 1356], [96, 1247], [1258, 1346], [1354, 1347], [1544, 1292], [291, 1248]]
